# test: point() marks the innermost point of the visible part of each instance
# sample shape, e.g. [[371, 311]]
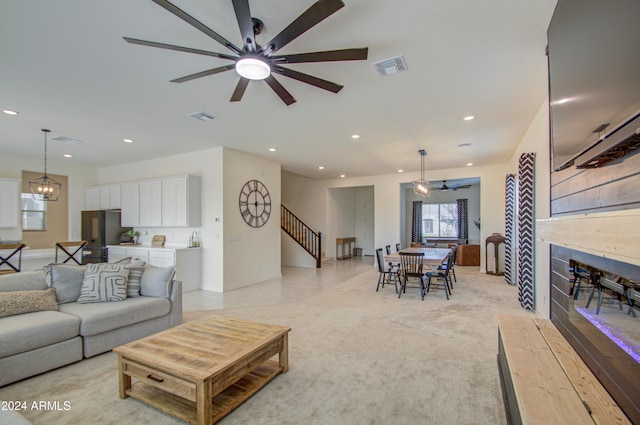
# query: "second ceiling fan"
[[253, 61]]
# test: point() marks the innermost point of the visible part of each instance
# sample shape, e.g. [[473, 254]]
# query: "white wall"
[[80, 177], [536, 139]]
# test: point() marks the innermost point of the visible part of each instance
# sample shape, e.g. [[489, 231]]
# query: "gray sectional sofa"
[[55, 332]]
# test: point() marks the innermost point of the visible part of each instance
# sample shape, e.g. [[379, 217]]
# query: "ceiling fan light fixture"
[[253, 69]]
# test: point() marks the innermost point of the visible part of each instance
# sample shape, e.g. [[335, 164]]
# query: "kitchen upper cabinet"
[[105, 197], [130, 203], [151, 203], [9, 203], [181, 201]]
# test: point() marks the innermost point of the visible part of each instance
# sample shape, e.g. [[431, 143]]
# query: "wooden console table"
[[203, 369], [347, 249]]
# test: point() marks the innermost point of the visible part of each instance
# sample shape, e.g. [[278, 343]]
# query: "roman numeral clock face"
[[255, 203]]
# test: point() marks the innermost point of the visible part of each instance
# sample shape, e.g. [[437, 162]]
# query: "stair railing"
[[302, 234]]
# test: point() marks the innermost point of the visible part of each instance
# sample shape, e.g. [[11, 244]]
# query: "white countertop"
[[141, 246]]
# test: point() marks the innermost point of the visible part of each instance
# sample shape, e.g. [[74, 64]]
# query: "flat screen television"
[[594, 74]]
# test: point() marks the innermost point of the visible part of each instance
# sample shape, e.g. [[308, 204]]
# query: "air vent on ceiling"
[[390, 66], [202, 116], [65, 139]]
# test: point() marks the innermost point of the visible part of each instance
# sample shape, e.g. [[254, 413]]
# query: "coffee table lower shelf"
[[222, 404]]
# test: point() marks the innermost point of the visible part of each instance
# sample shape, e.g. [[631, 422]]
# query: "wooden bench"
[[544, 381]]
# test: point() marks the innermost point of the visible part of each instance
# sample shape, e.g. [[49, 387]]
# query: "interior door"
[[368, 228]]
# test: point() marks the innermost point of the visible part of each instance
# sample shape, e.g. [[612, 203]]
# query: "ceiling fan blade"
[[280, 90], [204, 73], [239, 91], [197, 24], [243, 15], [326, 56], [318, 11], [309, 79], [178, 48]]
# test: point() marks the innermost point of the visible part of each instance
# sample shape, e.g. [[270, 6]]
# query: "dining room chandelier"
[[421, 187], [45, 188]]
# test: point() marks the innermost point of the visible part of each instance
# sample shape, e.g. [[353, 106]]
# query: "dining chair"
[[391, 265], [385, 274], [454, 249], [11, 257], [71, 251], [397, 247], [411, 267], [443, 275]]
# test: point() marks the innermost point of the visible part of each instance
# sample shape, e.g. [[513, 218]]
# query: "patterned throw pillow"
[[19, 302], [136, 268], [104, 282]]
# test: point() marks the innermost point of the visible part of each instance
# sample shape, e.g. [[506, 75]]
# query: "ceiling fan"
[[444, 186], [253, 61]]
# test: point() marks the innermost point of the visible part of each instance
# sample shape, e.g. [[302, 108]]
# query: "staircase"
[[302, 234]]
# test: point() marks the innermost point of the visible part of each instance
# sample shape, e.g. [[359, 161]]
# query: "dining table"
[[432, 257]]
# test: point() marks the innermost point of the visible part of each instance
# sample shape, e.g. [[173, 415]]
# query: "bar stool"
[[67, 247], [7, 253]]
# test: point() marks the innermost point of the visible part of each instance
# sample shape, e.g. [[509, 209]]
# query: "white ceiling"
[[65, 66]]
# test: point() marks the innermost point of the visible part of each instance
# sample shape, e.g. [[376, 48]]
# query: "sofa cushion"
[[21, 302], [98, 318], [67, 279], [156, 281], [23, 281], [27, 332], [104, 282], [136, 268]]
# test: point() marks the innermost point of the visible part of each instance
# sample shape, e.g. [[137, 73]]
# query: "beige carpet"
[[356, 357]]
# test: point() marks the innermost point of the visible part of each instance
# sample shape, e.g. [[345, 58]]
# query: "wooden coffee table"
[[203, 369]]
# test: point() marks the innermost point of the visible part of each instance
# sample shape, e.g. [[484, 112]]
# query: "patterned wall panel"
[[463, 218], [510, 271], [416, 222], [526, 228]]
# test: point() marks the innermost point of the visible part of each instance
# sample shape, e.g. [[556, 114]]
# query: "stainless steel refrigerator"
[[101, 228]]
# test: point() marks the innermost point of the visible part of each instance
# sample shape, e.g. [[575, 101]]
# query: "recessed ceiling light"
[[272, 149], [68, 155], [401, 171], [10, 112], [355, 136], [320, 167], [127, 140], [468, 118], [469, 164], [343, 176]]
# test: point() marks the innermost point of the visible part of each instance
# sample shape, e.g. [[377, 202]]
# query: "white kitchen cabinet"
[[151, 203], [9, 203], [187, 261], [181, 201], [106, 197], [130, 204], [92, 198]]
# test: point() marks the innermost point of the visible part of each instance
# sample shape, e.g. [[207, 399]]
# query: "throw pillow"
[[67, 280], [104, 282], [136, 268], [156, 281], [20, 302]]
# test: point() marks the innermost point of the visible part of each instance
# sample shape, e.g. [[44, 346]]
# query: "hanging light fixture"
[[421, 187], [45, 188]]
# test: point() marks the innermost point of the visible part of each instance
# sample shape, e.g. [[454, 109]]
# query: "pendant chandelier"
[[421, 187], [45, 188]]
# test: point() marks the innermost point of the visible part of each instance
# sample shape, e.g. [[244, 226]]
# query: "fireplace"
[[593, 304]]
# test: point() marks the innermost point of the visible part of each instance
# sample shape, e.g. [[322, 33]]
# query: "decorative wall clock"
[[255, 203]]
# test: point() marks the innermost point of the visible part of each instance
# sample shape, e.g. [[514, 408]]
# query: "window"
[[34, 213], [440, 220]]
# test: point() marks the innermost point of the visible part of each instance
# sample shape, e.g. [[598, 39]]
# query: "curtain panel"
[[463, 218], [510, 270], [416, 222], [526, 230]]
